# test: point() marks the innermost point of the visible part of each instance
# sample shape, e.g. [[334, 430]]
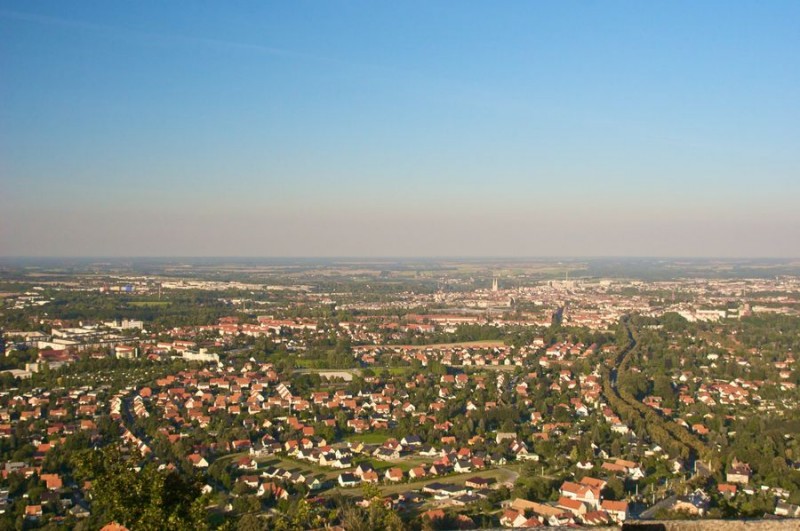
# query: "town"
[[421, 396]]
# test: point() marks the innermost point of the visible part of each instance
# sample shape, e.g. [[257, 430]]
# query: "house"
[[358, 448], [596, 518], [617, 510], [439, 469], [632, 469], [571, 505], [478, 482], [394, 474], [53, 481], [273, 490], [546, 511], [619, 427], [478, 462], [525, 455], [694, 504], [370, 476], [613, 468], [588, 494], [565, 519], [33, 512], [739, 473], [410, 497], [505, 436], [786, 509], [347, 479], [517, 446], [198, 461], [298, 477], [466, 499], [417, 472], [411, 440], [462, 466], [250, 481], [247, 463], [240, 445], [429, 451], [512, 518], [387, 454], [593, 482], [363, 468], [342, 462], [442, 491]]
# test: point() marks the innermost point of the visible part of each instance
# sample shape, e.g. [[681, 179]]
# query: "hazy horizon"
[[355, 129], [407, 258]]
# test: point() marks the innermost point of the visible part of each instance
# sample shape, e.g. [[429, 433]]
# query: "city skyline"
[[357, 129]]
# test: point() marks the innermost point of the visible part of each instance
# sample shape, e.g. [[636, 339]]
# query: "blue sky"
[[400, 128]]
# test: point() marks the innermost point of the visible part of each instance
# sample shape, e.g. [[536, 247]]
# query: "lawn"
[[399, 371], [367, 438]]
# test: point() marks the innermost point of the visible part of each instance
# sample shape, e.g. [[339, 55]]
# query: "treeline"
[[645, 421], [191, 307], [779, 332]]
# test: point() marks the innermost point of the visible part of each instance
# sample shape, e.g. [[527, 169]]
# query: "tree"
[[614, 489], [294, 515], [376, 516], [148, 500], [250, 522]]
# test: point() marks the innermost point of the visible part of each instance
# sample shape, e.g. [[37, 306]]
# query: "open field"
[[367, 438], [399, 370]]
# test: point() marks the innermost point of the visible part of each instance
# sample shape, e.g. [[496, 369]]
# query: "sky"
[[430, 128]]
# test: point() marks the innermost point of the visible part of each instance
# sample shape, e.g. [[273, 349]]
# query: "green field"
[[368, 438], [400, 370]]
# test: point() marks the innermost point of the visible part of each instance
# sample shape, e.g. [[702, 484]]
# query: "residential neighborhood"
[[503, 409]]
